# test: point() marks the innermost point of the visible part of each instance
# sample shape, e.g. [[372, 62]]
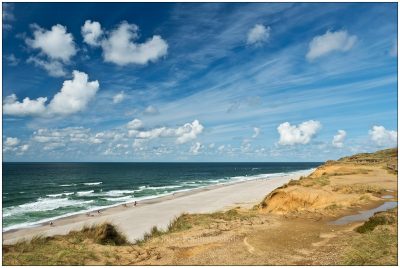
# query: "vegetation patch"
[[317, 181], [104, 234], [358, 189], [378, 247], [47, 251], [333, 206], [295, 182], [187, 221], [380, 218], [376, 243]]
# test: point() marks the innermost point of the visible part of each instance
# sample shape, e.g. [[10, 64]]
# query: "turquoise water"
[[37, 192]]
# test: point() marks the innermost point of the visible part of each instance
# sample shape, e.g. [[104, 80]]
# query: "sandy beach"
[[134, 222]]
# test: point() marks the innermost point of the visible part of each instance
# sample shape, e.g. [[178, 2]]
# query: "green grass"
[[46, 251], [187, 221], [104, 234], [333, 206], [380, 218], [378, 247], [176, 225], [376, 242], [319, 181], [358, 189], [295, 182], [72, 249]]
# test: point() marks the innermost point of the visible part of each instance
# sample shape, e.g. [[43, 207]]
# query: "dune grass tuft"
[[380, 218], [376, 243], [178, 224], [378, 247], [75, 248]]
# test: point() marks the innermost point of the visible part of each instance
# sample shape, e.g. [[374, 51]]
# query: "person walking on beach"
[[134, 204], [51, 224]]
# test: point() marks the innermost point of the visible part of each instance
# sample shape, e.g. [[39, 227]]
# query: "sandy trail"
[[135, 221]]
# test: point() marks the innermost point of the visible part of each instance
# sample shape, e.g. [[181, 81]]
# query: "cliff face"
[[337, 185]]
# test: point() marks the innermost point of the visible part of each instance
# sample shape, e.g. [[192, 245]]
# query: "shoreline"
[[149, 199], [147, 209]]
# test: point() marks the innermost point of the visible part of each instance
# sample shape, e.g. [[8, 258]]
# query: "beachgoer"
[[135, 203], [98, 211], [51, 223]]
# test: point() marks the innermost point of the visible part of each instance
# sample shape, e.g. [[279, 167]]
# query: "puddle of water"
[[387, 196], [364, 215]]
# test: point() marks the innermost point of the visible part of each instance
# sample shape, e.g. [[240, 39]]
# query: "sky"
[[259, 82]]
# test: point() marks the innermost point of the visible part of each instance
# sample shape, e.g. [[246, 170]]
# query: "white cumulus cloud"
[[53, 68], [92, 32], [73, 97], [56, 43], [301, 134], [330, 42], [120, 46], [134, 124], [75, 94], [382, 136], [151, 110], [195, 148], [258, 34], [339, 138], [189, 131], [183, 134], [24, 147], [11, 142], [13, 145], [119, 97], [28, 107]]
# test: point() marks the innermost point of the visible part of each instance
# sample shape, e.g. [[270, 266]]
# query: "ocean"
[[37, 192]]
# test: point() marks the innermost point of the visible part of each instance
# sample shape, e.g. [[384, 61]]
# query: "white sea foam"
[[161, 187], [85, 193], [118, 192], [61, 194], [123, 198], [42, 204], [92, 183], [67, 185], [258, 176]]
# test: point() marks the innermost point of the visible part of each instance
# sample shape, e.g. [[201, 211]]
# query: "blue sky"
[[198, 82]]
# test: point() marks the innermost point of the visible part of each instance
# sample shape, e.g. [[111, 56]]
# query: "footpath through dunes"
[[293, 225]]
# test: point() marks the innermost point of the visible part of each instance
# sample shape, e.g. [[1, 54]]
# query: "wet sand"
[[134, 222]]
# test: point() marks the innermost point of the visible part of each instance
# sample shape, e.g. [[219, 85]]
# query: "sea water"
[[37, 192]]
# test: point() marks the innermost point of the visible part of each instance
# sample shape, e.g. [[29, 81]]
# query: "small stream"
[[364, 215]]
